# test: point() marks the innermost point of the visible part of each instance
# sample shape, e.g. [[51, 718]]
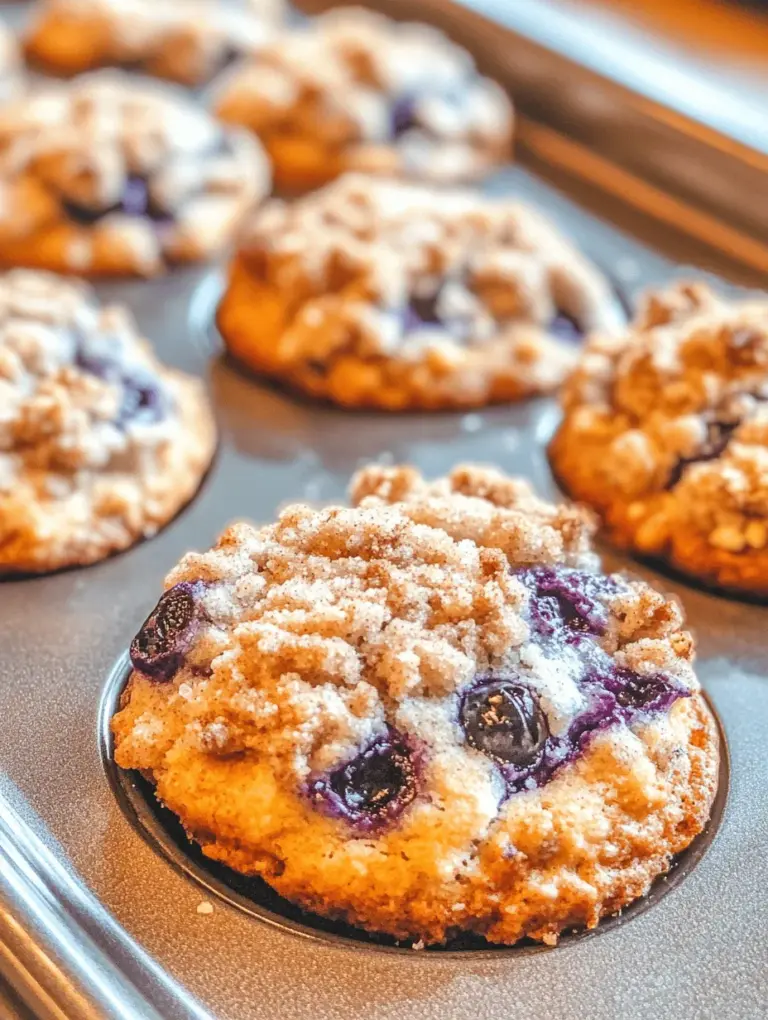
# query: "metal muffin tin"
[[99, 894]]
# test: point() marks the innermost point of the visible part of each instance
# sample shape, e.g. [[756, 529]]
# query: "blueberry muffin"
[[100, 445], [112, 174], [187, 41], [355, 91], [665, 434], [377, 293], [426, 715]]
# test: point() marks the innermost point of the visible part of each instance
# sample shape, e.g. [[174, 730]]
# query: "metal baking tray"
[[99, 894]]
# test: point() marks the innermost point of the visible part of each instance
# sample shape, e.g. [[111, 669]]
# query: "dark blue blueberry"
[[565, 600], [566, 327], [160, 647], [718, 436], [503, 719], [135, 201], [403, 115], [143, 400], [422, 311], [373, 788]]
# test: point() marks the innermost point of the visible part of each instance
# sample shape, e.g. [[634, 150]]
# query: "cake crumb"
[[205, 907]]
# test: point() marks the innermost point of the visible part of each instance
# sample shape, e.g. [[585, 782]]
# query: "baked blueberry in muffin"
[[378, 293], [186, 41], [114, 174], [353, 90], [427, 714], [100, 444], [665, 434]]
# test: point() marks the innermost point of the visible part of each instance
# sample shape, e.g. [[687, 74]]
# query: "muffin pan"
[[106, 910]]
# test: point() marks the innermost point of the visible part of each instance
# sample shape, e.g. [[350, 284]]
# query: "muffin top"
[[367, 93], [115, 153], [183, 40], [94, 431], [411, 693], [437, 298], [666, 426]]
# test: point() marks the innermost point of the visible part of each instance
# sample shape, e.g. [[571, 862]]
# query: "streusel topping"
[[129, 159], [670, 422], [367, 93], [183, 40], [443, 297], [94, 432], [425, 713]]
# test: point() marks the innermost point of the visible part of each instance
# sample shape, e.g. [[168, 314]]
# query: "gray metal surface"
[[696, 953]]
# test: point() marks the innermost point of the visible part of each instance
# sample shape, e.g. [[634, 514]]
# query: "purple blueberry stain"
[[373, 788], [166, 636], [563, 601]]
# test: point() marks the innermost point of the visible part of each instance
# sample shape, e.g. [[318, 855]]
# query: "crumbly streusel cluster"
[[99, 444], [356, 91], [425, 714], [183, 40], [112, 174], [380, 293], [666, 434]]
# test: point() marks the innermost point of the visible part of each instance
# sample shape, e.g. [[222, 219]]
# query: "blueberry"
[[718, 436], [403, 115], [374, 787], [159, 649], [135, 201], [566, 327], [502, 719], [422, 311], [143, 400], [564, 600]]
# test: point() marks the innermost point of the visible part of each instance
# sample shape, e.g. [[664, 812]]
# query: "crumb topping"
[[426, 713], [446, 291], [184, 40], [321, 629], [674, 414], [124, 156], [89, 421], [372, 94]]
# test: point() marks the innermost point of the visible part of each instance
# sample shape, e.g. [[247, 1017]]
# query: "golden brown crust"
[[320, 297], [328, 98], [665, 434], [116, 175], [186, 41], [334, 629], [84, 471]]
